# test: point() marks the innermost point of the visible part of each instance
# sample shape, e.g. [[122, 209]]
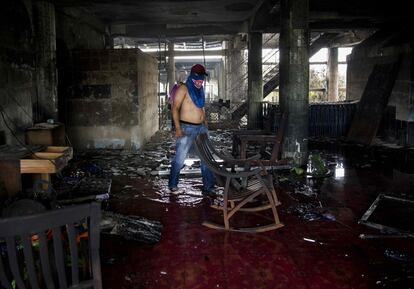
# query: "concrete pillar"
[[235, 70], [294, 77], [227, 69], [221, 81], [46, 105], [171, 66], [333, 74], [254, 81]]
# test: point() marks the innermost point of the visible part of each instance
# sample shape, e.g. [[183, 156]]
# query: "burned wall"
[[147, 96], [78, 29], [17, 69], [384, 47], [75, 29], [28, 50], [112, 99]]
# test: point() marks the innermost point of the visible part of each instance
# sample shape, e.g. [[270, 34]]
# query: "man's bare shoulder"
[[182, 88], [181, 91]]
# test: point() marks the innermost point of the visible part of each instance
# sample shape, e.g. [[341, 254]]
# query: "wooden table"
[[42, 161], [242, 137], [48, 161]]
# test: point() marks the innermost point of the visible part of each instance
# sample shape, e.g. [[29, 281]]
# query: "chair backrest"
[[212, 149], [207, 155], [54, 249]]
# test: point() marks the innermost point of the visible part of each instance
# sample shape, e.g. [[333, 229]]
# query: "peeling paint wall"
[[112, 99]]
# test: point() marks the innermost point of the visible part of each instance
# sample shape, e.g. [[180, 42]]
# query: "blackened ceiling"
[[181, 18]]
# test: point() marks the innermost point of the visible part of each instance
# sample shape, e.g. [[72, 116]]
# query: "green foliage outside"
[[318, 80]]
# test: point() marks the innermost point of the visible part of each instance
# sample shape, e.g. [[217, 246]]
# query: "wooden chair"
[[239, 197], [43, 250], [242, 138], [246, 164]]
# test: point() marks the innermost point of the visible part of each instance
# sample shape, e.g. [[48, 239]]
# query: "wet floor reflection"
[[319, 244], [188, 194]]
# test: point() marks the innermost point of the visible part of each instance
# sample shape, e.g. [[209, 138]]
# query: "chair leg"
[[275, 198], [225, 204], [273, 190], [273, 206]]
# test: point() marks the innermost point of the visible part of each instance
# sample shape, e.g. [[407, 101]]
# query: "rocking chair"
[[235, 164], [243, 186]]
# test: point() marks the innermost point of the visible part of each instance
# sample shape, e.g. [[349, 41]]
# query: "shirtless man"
[[185, 111], [189, 120]]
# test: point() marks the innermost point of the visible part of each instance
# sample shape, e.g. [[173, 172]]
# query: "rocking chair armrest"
[[242, 174], [242, 162]]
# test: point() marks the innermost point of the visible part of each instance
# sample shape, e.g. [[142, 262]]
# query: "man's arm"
[[178, 101]]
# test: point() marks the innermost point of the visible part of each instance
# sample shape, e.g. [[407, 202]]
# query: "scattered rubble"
[[310, 212], [134, 228], [396, 255]]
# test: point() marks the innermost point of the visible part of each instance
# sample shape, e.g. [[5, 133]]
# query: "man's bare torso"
[[189, 111]]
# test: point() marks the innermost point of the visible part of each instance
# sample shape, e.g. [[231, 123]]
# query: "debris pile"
[[310, 212], [131, 227]]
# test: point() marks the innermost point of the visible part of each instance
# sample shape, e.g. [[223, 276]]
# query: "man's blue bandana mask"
[[197, 94]]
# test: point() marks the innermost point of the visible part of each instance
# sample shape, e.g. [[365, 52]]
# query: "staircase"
[[271, 77]]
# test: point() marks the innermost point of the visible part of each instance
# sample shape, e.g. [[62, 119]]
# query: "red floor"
[[303, 254]]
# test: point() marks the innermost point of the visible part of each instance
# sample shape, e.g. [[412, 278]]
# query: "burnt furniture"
[[50, 134], [44, 250], [41, 161], [245, 190], [242, 138], [234, 165]]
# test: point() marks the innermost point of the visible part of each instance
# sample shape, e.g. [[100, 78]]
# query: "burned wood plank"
[[18, 152]]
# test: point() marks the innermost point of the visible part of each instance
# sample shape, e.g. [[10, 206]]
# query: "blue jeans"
[[182, 146]]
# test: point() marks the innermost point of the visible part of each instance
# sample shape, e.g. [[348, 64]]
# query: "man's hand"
[[179, 133]]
